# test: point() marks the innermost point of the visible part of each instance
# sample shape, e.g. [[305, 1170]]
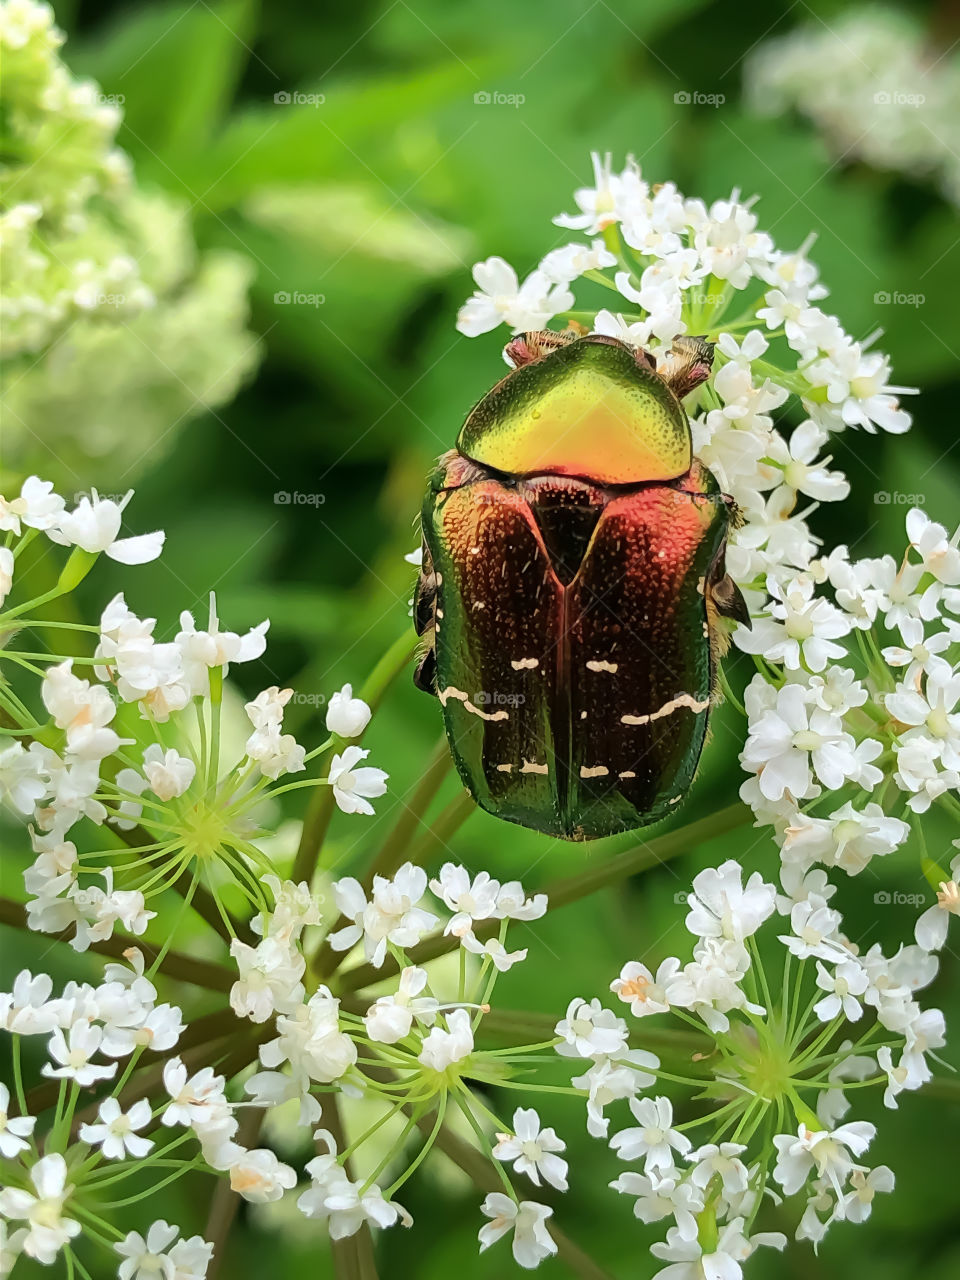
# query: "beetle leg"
[[425, 622], [528, 348], [723, 600], [687, 365]]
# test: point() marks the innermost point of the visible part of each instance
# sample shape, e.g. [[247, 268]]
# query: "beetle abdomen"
[[573, 660]]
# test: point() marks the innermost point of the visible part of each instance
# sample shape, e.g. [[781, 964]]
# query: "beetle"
[[573, 584]]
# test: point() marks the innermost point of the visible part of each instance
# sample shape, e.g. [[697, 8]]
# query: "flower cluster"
[[771, 1094], [852, 734], [873, 86], [410, 1052], [849, 743], [679, 266], [131, 792], [86, 252], [164, 790]]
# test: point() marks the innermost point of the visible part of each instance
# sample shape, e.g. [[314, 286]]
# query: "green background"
[[380, 199]]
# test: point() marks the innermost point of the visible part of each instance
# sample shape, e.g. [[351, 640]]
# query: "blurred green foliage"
[[378, 199]]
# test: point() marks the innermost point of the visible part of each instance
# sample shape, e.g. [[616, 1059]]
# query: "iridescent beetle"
[[572, 586]]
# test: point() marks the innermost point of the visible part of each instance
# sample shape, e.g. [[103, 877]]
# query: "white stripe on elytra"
[[451, 692], [681, 700]]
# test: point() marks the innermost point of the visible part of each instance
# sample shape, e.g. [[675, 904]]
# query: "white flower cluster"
[[769, 1058], [873, 84], [848, 744], [679, 266], [90, 1031], [77, 766], [416, 1049]]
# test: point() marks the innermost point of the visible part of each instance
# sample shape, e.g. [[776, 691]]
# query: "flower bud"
[[346, 715]]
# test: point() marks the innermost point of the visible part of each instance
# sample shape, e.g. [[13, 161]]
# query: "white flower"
[[353, 787], [645, 993], [858, 1202], [721, 1161], [158, 1258], [116, 1134], [654, 1141], [74, 1052], [800, 630], [6, 572], [470, 899], [342, 1203], [390, 1018], [938, 551], [532, 1241], [260, 1177], [827, 1151], [689, 1262], [663, 1196], [607, 1082], [38, 507], [194, 1100], [270, 976], [391, 914], [494, 950], [310, 1039], [346, 715], [168, 773], [802, 471], [442, 1048], [722, 907], [82, 709], [27, 1009], [94, 524], [815, 929], [22, 781], [848, 980], [533, 1149], [590, 1031], [500, 299], [48, 1230], [201, 650], [14, 1130], [792, 741], [931, 928]]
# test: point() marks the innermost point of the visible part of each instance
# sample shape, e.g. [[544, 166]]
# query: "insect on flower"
[[573, 586]]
